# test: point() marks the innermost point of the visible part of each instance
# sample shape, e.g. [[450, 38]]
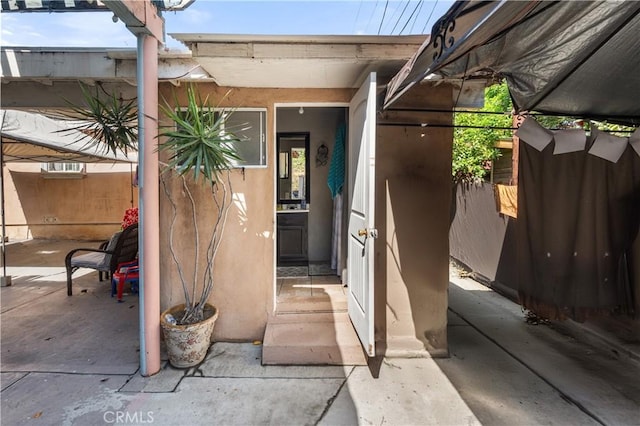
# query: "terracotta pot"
[[187, 345]]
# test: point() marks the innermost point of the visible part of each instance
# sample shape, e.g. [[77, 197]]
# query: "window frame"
[[262, 121], [45, 169]]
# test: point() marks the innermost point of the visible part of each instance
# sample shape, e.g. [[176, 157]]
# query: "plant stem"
[[223, 210], [197, 238], [171, 248]]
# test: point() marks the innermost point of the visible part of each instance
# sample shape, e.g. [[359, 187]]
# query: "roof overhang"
[[91, 64], [578, 58], [298, 61], [327, 62], [27, 71]]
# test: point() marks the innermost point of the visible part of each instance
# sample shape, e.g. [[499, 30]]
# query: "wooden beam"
[[140, 17]]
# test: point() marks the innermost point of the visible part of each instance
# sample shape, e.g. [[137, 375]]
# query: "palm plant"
[[107, 121], [202, 144]]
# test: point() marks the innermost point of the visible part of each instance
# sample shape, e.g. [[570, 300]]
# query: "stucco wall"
[[413, 184], [88, 207], [244, 274], [413, 193]]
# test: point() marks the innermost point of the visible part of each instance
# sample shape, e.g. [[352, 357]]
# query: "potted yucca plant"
[[200, 151]]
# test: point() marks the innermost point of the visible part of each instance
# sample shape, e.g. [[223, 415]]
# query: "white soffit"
[[298, 61], [289, 73]]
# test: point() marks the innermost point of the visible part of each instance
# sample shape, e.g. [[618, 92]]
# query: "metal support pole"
[[6, 279], [147, 77]]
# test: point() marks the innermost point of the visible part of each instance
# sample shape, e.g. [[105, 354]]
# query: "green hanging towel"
[[335, 180]]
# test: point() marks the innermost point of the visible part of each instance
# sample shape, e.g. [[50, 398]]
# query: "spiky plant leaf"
[[200, 142], [108, 122]]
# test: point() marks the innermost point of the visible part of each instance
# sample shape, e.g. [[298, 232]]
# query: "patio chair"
[[126, 272], [122, 247]]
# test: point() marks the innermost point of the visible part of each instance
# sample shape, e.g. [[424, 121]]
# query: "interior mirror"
[[293, 168]]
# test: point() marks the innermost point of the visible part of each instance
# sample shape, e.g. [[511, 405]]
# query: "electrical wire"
[[355, 23], [391, 17], [430, 15], [400, 17], [410, 16], [383, 15], [419, 7], [373, 12]]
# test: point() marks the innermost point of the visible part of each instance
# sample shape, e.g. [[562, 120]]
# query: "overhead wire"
[[355, 23], [430, 15], [373, 12], [400, 17], [420, 4], [390, 17], [410, 16], [383, 15]]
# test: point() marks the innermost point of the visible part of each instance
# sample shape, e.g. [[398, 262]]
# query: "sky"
[[310, 17]]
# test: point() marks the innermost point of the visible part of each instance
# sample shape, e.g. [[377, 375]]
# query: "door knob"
[[368, 233]]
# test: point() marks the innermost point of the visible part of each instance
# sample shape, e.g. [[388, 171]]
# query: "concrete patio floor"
[[74, 361]]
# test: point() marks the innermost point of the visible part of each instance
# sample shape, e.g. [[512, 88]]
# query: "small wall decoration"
[[322, 155]]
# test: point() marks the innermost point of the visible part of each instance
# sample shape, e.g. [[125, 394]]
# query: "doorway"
[[307, 280]]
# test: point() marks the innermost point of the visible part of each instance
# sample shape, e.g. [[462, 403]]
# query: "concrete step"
[[311, 339], [311, 294]]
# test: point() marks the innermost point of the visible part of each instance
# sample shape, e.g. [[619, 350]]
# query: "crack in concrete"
[[333, 398]]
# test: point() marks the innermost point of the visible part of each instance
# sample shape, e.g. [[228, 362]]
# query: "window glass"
[[249, 125], [63, 167], [252, 145]]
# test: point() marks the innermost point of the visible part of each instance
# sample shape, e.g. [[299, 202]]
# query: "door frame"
[[274, 177]]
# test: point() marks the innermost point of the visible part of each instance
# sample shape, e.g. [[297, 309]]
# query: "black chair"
[[123, 247]]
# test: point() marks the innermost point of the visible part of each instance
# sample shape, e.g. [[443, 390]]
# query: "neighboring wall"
[[485, 242], [245, 274], [321, 123], [88, 207], [480, 237]]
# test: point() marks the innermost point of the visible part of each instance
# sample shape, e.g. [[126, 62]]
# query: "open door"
[[362, 137]]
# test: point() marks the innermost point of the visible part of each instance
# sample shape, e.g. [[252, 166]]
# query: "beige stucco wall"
[[413, 190], [413, 184], [88, 207], [244, 270]]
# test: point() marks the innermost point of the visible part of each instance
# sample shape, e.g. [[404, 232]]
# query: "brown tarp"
[[578, 216], [507, 199]]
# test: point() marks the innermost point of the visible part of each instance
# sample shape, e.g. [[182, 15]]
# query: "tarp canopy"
[[31, 137], [577, 58]]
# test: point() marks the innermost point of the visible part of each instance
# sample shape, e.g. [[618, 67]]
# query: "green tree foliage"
[[474, 148]]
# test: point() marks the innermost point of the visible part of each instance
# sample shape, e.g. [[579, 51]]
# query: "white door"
[[362, 137]]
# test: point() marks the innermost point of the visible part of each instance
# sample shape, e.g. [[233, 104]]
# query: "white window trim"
[[47, 173]]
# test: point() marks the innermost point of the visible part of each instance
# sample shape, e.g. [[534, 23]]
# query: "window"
[[252, 148], [70, 168]]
